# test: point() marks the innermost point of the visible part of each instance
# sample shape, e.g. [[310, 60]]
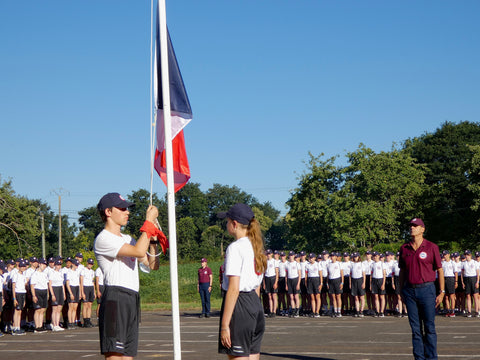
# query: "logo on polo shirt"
[[423, 255]]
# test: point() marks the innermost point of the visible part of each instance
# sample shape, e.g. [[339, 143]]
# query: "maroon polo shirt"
[[204, 275], [420, 265]]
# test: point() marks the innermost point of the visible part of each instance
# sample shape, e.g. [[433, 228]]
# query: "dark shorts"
[[357, 287], [346, 285], [76, 294], [367, 284], [449, 285], [246, 326], [292, 285], [303, 286], [281, 285], [325, 285], [20, 300], [313, 284], [1, 302], [469, 282], [42, 299], [269, 283], [59, 299], [377, 286], [102, 289], [118, 321], [334, 286], [389, 286], [89, 294], [396, 281]]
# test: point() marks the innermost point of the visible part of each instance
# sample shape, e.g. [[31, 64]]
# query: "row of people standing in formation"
[[337, 284], [36, 293]]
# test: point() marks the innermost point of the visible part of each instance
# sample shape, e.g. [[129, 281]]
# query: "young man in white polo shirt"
[[118, 255]]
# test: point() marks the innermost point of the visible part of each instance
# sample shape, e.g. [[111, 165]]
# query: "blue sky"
[[268, 82]]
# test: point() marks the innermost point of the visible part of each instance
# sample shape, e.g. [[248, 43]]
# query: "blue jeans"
[[420, 304], [205, 296]]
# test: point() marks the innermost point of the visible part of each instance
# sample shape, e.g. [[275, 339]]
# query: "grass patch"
[[155, 290]]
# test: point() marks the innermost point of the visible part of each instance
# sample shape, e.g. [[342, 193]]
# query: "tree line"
[[360, 201]]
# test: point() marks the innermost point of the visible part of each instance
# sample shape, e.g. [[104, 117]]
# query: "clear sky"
[[268, 81]]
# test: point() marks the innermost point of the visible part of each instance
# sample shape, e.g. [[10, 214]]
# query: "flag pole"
[[172, 229]]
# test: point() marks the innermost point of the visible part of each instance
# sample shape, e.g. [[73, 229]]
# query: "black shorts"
[[334, 286], [396, 281], [42, 299], [303, 286], [357, 287], [346, 285], [102, 289], [292, 285], [469, 282], [246, 326], [75, 292], [59, 299], [89, 292], [281, 285], [449, 285], [118, 321], [325, 285], [313, 283], [269, 283], [377, 286], [20, 297], [367, 284], [1, 301], [389, 286]]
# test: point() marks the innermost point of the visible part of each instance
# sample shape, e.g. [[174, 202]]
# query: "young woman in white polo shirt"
[[335, 284], [379, 276], [313, 276], [358, 281], [242, 321], [292, 280], [470, 281]]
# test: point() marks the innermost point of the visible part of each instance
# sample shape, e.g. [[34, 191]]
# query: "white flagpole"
[[172, 229]]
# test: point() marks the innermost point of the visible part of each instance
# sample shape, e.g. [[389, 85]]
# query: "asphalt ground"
[[324, 338]]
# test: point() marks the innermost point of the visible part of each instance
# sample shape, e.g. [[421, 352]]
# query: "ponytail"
[[254, 233]]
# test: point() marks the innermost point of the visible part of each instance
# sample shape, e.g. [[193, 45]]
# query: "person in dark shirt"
[[204, 287], [419, 261]]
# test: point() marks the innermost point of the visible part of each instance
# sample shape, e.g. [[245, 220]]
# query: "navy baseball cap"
[[468, 252], [90, 261], [58, 262], [269, 251], [42, 261], [33, 259], [325, 252], [113, 200], [238, 212], [282, 253], [291, 253], [303, 253], [312, 255], [79, 255]]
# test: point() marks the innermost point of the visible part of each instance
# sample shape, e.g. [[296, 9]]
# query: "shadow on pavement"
[[293, 356]]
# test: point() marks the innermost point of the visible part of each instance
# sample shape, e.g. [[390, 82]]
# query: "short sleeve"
[[233, 262]]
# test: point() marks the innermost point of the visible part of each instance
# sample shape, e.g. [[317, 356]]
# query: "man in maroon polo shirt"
[[419, 261], [205, 287]]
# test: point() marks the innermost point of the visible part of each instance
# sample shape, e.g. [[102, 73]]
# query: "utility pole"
[[59, 192], [42, 216]]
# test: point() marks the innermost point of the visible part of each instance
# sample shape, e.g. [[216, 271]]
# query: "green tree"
[[222, 197], [190, 201], [141, 199], [212, 242], [448, 199], [187, 246], [19, 224]]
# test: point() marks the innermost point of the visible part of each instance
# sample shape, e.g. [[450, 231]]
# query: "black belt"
[[414, 286]]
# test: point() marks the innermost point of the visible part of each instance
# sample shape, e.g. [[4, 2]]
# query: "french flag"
[[181, 114]]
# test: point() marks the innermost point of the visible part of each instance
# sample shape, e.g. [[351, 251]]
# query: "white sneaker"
[[58, 328]]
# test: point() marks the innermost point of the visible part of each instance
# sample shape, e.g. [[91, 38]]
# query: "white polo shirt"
[[240, 261], [118, 270]]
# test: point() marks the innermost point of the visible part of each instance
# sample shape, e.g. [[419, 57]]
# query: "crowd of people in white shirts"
[[37, 294], [334, 284]]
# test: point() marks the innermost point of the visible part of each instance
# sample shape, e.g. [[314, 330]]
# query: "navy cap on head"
[[297, 256], [387, 253], [69, 259], [455, 254], [22, 263], [282, 253], [312, 255], [79, 255], [11, 262], [269, 251], [333, 253], [58, 262], [355, 254], [19, 259], [238, 212], [375, 253], [42, 261], [368, 252], [303, 253], [75, 262], [382, 255], [346, 254], [462, 256], [445, 252], [417, 222], [276, 252], [477, 253], [113, 200], [468, 252], [90, 261], [33, 259], [325, 252], [291, 253]]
